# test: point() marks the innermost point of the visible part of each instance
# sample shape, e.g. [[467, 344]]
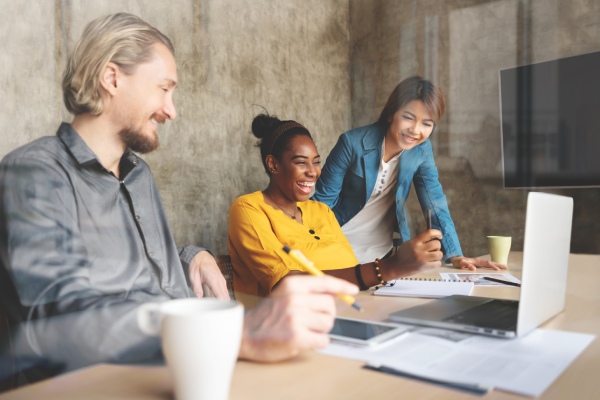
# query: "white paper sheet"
[[477, 277], [526, 365]]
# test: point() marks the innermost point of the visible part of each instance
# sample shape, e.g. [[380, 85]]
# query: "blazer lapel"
[[409, 161]]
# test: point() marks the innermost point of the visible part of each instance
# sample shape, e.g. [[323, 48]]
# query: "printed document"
[[526, 365]]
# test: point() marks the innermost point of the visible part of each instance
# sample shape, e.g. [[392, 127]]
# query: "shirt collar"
[[85, 156], [395, 158], [128, 162], [77, 147]]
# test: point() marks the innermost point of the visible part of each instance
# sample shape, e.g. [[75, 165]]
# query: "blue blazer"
[[349, 175]]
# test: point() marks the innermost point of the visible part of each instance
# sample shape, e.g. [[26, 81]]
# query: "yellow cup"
[[499, 248]]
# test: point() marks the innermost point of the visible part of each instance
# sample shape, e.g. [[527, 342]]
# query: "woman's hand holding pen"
[[464, 262], [421, 253], [472, 264]]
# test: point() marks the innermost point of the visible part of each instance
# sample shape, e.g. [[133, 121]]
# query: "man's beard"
[[139, 142]]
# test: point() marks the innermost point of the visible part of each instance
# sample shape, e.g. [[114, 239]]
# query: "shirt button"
[[318, 238], [151, 254], [137, 216], [312, 232]]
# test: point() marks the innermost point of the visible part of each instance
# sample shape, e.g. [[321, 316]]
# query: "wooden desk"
[[316, 376]]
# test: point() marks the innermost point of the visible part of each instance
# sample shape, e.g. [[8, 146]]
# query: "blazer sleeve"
[[431, 196], [329, 185]]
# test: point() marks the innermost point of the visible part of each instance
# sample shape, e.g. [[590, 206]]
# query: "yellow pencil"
[[310, 267]]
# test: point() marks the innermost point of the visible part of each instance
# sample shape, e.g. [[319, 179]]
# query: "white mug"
[[201, 339]]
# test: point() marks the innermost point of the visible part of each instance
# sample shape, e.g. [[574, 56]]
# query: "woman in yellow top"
[[260, 223]]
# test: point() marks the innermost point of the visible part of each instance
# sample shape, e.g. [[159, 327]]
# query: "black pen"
[[428, 219], [501, 281], [466, 387]]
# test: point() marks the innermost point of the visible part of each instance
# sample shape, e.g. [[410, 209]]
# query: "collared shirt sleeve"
[[186, 255], [65, 319], [80, 251]]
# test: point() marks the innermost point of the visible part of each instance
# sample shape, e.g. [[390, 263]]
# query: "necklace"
[[281, 208]]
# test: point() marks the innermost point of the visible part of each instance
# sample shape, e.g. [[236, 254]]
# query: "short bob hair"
[[121, 38], [410, 89]]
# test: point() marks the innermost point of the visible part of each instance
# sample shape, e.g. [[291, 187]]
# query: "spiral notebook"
[[430, 288]]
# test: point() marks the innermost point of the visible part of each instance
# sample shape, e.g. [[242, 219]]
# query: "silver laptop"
[[543, 282]]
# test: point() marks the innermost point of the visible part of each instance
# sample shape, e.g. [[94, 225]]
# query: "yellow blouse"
[[257, 233]]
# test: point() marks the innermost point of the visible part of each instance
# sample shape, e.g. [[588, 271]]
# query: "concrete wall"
[[289, 56], [461, 45], [329, 64]]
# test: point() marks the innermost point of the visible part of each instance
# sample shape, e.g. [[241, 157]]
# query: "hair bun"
[[263, 125]]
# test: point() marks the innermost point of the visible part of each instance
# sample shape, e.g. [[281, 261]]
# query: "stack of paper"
[[527, 365]]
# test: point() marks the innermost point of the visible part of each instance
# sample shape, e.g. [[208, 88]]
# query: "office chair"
[[8, 365], [224, 263]]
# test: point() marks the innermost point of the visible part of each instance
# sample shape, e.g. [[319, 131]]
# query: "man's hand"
[[204, 270], [473, 263], [297, 316]]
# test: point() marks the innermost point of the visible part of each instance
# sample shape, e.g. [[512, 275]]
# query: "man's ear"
[[109, 78]]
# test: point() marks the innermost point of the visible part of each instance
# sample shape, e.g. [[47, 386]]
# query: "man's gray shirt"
[[80, 250]]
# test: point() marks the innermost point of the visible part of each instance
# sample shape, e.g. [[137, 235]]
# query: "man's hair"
[[123, 39]]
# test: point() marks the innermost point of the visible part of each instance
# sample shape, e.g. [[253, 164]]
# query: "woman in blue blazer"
[[368, 174]]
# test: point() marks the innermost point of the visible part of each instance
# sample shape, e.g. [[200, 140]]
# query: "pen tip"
[[354, 305], [286, 249]]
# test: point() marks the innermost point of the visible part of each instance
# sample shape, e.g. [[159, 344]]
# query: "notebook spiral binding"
[[392, 283]]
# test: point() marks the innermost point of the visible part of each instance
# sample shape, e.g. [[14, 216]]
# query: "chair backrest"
[[224, 263], [8, 365]]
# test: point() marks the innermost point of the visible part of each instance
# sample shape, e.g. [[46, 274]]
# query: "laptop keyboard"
[[497, 314]]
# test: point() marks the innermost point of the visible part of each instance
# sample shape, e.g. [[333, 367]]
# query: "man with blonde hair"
[[84, 235]]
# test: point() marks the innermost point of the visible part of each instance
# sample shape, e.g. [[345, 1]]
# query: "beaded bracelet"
[[359, 279], [378, 272]]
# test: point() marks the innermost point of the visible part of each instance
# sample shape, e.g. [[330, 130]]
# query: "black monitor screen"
[[551, 123]]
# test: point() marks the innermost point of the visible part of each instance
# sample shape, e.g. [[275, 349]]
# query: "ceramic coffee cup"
[[201, 340], [499, 247]]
